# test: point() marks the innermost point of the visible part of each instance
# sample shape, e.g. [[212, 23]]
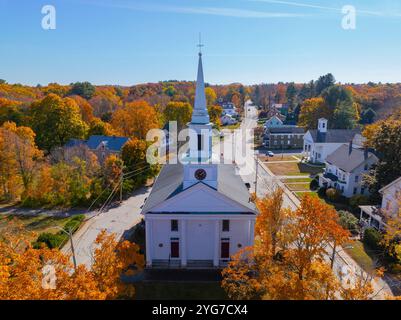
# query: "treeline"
[[344, 105], [37, 170]]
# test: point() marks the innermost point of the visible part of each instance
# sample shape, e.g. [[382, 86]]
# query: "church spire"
[[200, 114]]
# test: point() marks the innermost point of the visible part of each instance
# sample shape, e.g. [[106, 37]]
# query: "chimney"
[[366, 153], [350, 147]]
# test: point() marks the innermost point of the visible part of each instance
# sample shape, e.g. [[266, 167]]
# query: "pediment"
[[199, 198]]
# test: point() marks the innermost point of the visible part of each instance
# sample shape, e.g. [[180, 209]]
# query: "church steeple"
[[200, 114]]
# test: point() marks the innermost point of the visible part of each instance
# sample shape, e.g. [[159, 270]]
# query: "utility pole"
[[256, 175], [72, 249], [121, 184]]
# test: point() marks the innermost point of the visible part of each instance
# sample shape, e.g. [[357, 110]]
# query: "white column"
[[216, 243], [251, 232], [149, 244], [183, 238]]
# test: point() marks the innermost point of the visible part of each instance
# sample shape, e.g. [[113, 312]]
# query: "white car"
[[270, 154]]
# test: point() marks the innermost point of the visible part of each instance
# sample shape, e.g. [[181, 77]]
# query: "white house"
[[227, 120], [198, 213], [375, 216], [318, 144], [273, 122], [229, 109], [345, 168]]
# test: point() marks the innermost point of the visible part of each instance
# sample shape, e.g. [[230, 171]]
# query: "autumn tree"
[[134, 156], [178, 111], [55, 121], [384, 137], [270, 222], [97, 127], [135, 119], [19, 155], [48, 274], [311, 111], [210, 96], [299, 269], [85, 108], [215, 113]]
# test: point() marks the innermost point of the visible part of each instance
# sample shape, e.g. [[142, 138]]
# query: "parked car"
[[270, 153]]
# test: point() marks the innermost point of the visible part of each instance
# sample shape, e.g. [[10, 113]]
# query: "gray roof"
[[112, 143], [334, 135], [348, 159], [287, 129], [169, 183]]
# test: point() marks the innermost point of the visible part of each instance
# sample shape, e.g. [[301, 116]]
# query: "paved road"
[[116, 220]]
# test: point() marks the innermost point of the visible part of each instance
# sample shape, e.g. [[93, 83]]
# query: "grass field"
[[180, 291], [293, 169], [29, 227], [300, 194]]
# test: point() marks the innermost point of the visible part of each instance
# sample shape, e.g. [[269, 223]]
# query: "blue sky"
[[250, 41]]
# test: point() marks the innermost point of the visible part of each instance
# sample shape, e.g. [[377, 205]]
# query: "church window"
[[200, 142], [226, 225], [174, 225]]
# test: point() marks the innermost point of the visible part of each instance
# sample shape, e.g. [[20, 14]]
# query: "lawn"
[[298, 186], [293, 169], [278, 157], [29, 227], [300, 194], [180, 291], [306, 180], [361, 254]]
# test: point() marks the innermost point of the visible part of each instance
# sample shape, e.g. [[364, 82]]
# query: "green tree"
[[291, 94], [324, 82], [368, 116], [84, 89], [56, 121]]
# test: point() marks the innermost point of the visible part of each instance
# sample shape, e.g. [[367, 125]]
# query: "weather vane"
[[200, 45]]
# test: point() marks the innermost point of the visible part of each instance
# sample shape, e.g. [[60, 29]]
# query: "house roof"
[[287, 129], [348, 159], [169, 183], [112, 143], [334, 135], [396, 181]]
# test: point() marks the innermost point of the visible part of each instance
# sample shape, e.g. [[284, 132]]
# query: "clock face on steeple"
[[200, 174]]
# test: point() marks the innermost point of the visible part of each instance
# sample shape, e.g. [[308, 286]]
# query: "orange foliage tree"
[[135, 119], [45, 274]]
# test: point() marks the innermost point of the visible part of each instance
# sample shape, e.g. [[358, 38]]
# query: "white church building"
[[199, 213]]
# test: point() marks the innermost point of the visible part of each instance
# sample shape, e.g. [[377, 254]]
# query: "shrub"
[[322, 192], [358, 200], [51, 240], [332, 194], [373, 238], [349, 221], [74, 222], [314, 184]]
